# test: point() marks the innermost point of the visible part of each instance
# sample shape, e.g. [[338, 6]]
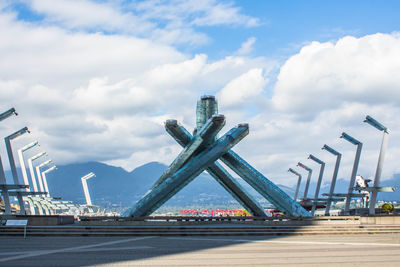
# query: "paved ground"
[[341, 250]]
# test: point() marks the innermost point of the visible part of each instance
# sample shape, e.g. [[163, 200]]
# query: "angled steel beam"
[[206, 135], [262, 185], [321, 174], [298, 182], [206, 107], [334, 177], [183, 137], [354, 171], [379, 167], [159, 195], [301, 165], [7, 141]]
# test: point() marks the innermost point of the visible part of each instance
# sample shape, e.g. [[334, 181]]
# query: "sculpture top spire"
[[206, 107]]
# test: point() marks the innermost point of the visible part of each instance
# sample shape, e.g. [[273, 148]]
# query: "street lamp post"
[[354, 171], [382, 152], [22, 163], [39, 176], [3, 181], [321, 173], [45, 179], [298, 183], [308, 178], [30, 160], [85, 187], [7, 140], [334, 177]]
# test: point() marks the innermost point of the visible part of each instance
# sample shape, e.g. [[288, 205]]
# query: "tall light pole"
[[3, 181], [321, 173], [45, 179], [308, 178], [334, 177], [354, 171], [30, 160], [7, 140], [39, 176], [382, 152], [85, 187], [22, 162], [298, 182]]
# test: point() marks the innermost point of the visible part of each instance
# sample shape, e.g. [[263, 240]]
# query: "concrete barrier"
[[380, 219]]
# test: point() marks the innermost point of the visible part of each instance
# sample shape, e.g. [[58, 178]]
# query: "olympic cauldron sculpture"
[[201, 152]]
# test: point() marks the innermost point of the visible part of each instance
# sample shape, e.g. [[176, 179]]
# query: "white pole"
[[45, 180], [85, 187]]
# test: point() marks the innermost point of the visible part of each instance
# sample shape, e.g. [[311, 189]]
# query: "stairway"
[[200, 230]]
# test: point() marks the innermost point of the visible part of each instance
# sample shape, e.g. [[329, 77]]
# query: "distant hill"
[[114, 186]]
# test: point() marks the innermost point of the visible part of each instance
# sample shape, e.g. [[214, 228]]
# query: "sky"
[[96, 80]]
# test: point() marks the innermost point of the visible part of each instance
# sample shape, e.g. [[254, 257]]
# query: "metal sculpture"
[[200, 153]]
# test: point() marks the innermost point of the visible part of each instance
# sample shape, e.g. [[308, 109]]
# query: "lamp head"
[[317, 160], [331, 150], [18, 133], [301, 165], [350, 139], [8, 113], [375, 123]]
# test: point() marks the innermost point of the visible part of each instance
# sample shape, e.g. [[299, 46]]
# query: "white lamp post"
[[30, 160], [22, 163], [382, 152], [3, 181], [45, 179], [85, 187]]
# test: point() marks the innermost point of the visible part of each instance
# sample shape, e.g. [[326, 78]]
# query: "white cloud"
[[242, 89], [247, 46], [169, 22], [91, 96], [323, 75]]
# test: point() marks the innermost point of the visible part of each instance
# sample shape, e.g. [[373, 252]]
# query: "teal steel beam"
[[262, 185], [183, 137], [153, 199], [205, 136], [206, 107]]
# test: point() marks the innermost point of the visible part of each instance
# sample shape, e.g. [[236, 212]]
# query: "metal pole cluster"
[[350, 192], [15, 187]]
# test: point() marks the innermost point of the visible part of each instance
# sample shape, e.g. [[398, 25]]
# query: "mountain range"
[[114, 186]]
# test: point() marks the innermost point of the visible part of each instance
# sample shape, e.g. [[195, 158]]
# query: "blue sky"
[[95, 80]]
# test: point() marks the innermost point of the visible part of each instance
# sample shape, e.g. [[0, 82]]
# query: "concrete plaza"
[[334, 250]]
